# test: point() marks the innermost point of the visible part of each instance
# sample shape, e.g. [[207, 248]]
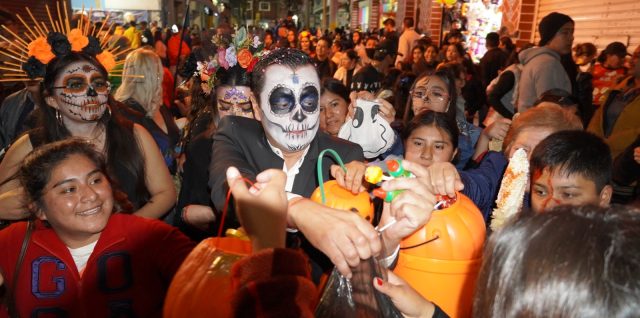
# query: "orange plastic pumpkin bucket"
[[340, 198], [442, 259], [207, 269]]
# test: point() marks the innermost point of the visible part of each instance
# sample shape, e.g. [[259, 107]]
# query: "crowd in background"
[[574, 110]]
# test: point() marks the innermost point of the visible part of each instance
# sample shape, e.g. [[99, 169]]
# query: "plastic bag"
[[356, 297]]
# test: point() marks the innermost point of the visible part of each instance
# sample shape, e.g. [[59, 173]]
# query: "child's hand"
[[404, 297], [352, 178], [498, 129], [411, 208], [262, 210]]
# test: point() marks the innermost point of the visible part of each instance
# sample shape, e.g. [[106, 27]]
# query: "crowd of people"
[[120, 151]]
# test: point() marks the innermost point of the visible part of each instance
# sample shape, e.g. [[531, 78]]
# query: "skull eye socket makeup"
[[309, 98], [282, 100], [79, 85]]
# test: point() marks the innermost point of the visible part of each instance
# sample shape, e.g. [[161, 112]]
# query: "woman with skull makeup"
[[141, 92], [230, 95], [76, 102]]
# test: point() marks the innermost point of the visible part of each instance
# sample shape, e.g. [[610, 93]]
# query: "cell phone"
[[174, 28]]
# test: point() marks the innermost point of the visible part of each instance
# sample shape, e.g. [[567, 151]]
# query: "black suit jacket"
[[241, 142]]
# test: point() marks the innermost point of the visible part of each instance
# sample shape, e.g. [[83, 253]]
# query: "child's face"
[[550, 188], [429, 144]]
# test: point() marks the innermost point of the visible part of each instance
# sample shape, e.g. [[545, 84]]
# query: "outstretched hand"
[[411, 208], [261, 209], [352, 178], [444, 179], [404, 297], [344, 236]]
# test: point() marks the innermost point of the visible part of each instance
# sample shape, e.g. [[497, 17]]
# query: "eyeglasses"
[[436, 95], [100, 87]]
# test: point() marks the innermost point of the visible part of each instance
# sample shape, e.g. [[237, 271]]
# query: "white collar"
[[291, 173]]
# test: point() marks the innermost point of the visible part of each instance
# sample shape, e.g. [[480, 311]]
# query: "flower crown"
[[240, 50], [42, 43]]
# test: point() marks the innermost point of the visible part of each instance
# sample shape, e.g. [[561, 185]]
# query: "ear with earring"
[[59, 117]]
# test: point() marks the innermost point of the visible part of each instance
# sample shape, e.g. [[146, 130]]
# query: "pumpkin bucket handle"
[[224, 212], [319, 170]]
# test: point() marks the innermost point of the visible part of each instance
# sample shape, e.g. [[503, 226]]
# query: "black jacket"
[[241, 142]]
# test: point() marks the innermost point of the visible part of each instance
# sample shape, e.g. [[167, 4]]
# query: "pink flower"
[[222, 61]]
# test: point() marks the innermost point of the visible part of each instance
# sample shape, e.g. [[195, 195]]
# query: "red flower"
[[253, 63]]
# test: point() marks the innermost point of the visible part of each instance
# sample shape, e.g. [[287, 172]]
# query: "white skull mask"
[[368, 129], [289, 102]]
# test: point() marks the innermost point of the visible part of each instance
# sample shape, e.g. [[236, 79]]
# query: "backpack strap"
[[11, 304]]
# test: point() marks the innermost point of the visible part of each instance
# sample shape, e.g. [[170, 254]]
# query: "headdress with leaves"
[[43, 41], [241, 49]]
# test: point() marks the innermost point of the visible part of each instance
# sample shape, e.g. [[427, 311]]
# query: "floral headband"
[[42, 43], [241, 50]]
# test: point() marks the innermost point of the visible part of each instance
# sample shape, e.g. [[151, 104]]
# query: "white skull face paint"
[[289, 103], [81, 92]]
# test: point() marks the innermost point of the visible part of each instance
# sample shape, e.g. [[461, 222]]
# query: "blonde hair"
[[543, 116], [148, 90]]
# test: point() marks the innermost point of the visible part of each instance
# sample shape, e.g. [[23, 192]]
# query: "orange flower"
[[244, 58], [40, 49], [106, 59], [78, 40]]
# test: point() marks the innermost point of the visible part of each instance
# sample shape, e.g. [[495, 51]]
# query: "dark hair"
[[35, 172], [455, 33], [335, 86], [492, 39], [613, 48], [508, 43], [408, 22], [448, 80], [234, 76], [291, 58], [351, 54], [401, 90], [574, 152], [586, 48], [569, 262], [389, 21], [359, 39], [460, 49], [326, 39], [120, 149], [455, 69], [435, 119]]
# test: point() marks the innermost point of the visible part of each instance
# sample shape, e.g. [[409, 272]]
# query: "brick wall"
[[435, 24], [527, 15]]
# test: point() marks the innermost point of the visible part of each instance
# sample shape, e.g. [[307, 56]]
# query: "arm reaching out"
[[261, 209]]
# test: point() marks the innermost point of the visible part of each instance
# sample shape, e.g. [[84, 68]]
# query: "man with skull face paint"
[[287, 88]]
